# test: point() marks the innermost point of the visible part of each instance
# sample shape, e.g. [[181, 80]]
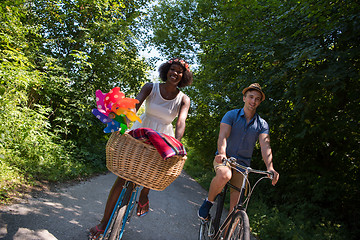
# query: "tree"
[[94, 45], [305, 55], [55, 55]]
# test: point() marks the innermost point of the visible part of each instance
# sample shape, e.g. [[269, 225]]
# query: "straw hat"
[[257, 87]]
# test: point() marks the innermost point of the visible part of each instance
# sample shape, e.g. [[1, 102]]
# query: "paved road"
[[70, 211]]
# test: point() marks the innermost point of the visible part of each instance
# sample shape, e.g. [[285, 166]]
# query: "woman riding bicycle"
[[164, 102], [239, 131]]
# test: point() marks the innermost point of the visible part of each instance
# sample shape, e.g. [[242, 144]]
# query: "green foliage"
[[197, 168], [305, 54], [10, 179], [54, 55], [276, 223], [93, 47]]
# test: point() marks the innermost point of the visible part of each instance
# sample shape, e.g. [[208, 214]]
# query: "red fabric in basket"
[[166, 145]]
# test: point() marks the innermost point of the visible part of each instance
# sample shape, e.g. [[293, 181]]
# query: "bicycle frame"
[[247, 170], [241, 202]]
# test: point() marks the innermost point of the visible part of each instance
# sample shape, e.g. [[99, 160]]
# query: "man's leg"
[[234, 197], [223, 175], [236, 180]]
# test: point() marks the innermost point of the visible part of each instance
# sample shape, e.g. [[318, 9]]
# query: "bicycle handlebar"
[[233, 162]]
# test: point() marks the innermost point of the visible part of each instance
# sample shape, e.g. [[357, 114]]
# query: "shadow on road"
[[69, 212]]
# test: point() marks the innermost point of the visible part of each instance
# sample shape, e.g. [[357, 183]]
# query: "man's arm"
[[264, 140], [225, 130]]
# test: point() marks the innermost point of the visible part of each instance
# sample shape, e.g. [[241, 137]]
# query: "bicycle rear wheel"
[[239, 228], [119, 216], [204, 230]]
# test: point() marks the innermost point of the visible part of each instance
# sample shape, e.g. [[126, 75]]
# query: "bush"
[[291, 222]]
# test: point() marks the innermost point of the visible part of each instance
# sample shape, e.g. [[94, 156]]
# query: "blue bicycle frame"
[[128, 210]]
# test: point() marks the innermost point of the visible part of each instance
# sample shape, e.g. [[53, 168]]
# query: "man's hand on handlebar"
[[275, 177], [220, 157]]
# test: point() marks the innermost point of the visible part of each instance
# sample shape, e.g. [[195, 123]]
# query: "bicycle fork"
[[128, 210]]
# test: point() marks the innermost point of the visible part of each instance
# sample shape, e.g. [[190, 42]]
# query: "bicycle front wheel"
[[239, 228], [120, 216]]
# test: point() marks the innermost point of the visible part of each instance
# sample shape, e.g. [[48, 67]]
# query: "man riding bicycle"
[[239, 131]]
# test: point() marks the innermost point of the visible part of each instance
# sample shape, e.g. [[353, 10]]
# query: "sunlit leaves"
[[54, 55], [305, 54]]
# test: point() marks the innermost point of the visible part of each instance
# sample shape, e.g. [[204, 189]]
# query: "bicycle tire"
[[204, 230], [119, 217], [239, 227]]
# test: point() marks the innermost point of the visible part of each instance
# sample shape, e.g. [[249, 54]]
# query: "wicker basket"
[[141, 163]]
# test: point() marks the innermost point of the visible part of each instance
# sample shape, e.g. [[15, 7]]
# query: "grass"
[[19, 176], [11, 183]]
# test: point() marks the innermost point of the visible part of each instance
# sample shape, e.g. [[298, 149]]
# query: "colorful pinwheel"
[[112, 108]]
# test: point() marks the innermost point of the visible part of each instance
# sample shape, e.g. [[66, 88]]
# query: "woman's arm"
[[183, 113], [143, 94]]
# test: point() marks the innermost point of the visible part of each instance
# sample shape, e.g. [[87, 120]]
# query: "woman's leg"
[[143, 206], [110, 204]]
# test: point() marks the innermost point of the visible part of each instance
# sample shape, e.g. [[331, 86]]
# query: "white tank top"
[[159, 112]]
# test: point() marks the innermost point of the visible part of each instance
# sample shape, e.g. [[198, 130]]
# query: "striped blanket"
[[166, 145]]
